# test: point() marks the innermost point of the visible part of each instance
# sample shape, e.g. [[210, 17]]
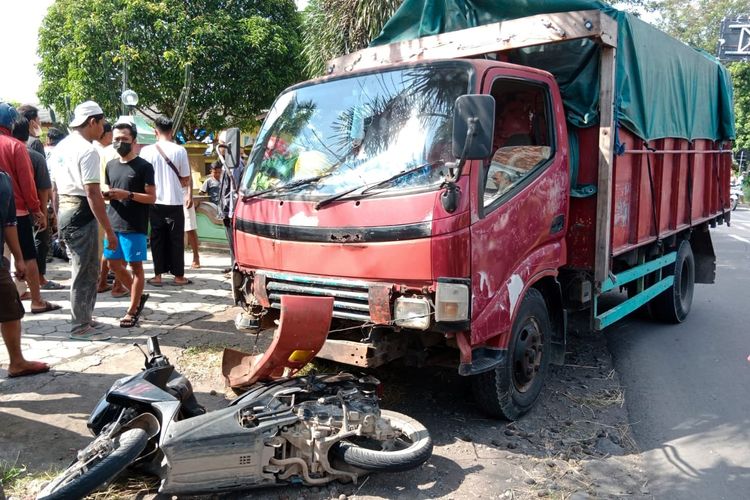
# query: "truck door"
[[521, 202]]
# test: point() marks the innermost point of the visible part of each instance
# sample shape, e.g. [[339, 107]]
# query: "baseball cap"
[[8, 115], [83, 111]]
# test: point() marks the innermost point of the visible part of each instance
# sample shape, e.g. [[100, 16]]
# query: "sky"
[[21, 21]]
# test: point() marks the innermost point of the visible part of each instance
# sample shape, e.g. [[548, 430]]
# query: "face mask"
[[122, 148]]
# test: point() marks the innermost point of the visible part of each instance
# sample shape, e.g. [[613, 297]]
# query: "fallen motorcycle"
[[310, 429]]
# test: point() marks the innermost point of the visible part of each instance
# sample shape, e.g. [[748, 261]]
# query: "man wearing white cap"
[[75, 168]]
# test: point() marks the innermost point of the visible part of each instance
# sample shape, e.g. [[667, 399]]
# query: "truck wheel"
[[673, 305], [511, 389]]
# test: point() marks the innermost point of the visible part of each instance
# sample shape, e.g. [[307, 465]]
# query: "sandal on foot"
[[131, 320], [128, 321], [126, 293], [52, 285], [48, 306], [182, 283], [88, 333], [195, 265], [154, 282], [104, 289], [36, 368]]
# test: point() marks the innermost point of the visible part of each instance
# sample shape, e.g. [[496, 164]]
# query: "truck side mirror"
[[473, 126], [232, 157]]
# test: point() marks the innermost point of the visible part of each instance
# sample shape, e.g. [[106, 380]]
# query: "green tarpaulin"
[[664, 88]]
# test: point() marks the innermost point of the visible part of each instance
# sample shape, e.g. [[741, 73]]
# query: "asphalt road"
[[687, 386]]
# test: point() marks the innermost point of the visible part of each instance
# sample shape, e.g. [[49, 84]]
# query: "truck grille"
[[350, 298]]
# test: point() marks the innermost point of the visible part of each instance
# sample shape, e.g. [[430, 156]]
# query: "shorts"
[[131, 247], [190, 222], [12, 309], [25, 229]]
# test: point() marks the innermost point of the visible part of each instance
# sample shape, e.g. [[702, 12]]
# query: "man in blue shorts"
[[130, 179]]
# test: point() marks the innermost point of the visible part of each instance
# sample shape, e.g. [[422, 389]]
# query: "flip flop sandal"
[[141, 304], [121, 295], [48, 306], [183, 283], [131, 320], [153, 282], [128, 321], [105, 289], [37, 368], [195, 265], [51, 285], [87, 333]]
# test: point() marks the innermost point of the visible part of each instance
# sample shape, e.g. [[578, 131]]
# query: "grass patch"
[[600, 399], [18, 482]]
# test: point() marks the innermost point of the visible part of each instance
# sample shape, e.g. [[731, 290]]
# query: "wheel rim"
[[527, 355]]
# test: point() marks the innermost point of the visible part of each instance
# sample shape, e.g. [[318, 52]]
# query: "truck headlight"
[[412, 312], [451, 302]]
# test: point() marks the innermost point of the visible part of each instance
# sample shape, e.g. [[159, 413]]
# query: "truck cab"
[[345, 193]]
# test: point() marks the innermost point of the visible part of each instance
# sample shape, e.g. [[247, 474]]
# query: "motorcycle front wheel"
[[411, 448], [82, 478]]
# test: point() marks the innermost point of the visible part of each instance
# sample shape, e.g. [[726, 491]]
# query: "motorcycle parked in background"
[[736, 194]]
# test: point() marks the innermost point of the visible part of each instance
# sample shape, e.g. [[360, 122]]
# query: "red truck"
[[439, 190]]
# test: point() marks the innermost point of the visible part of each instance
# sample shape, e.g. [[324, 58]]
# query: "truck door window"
[[522, 143]]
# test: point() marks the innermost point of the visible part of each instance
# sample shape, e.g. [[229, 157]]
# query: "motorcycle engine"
[[321, 410]]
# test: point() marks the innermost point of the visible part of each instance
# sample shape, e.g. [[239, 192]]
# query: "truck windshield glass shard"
[[358, 130], [523, 137]]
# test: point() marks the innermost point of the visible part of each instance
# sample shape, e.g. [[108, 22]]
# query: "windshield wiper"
[[370, 187], [286, 187]]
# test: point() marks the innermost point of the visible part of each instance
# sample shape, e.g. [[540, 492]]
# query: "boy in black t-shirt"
[[131, 191]]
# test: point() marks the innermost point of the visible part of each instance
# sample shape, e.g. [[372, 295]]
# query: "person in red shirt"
[[15, 161]]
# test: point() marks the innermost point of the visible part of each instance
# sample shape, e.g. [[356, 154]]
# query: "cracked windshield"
[[346, 135]]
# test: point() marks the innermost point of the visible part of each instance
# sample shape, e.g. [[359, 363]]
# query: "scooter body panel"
[[213, 452]]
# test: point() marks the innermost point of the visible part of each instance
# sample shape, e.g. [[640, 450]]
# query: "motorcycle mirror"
[[141, 349], [232, 157], [153, 346]]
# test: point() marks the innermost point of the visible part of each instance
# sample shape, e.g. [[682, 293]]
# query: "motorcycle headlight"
[[451, 302], [412, 312]]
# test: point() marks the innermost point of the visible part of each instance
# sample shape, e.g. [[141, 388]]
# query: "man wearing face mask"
[[131, 191], [35, 127]]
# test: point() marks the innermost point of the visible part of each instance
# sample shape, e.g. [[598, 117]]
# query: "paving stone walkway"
[[45, 336]]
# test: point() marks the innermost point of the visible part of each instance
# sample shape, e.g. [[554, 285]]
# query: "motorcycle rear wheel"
[[411, 449], [75, 482]]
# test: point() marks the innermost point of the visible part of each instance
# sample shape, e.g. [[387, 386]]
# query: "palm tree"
[[337, 27]]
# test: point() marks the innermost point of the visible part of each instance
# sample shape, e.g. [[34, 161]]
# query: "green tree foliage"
[[337, 27], [741, 79], [696, 22], [242, 53]]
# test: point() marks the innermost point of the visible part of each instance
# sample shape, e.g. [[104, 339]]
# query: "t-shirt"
[[211, 187], [129, 216], [7, 209], [74, 162], [168, 188], [35, 144], [41, 174]]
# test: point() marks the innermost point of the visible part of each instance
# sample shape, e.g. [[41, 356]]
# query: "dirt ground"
[[574, 444]]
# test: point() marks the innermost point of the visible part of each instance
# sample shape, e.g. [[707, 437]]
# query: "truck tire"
[[511, 389], [673, 305]]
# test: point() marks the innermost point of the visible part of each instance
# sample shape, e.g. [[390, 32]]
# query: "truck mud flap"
[[301, 333]]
